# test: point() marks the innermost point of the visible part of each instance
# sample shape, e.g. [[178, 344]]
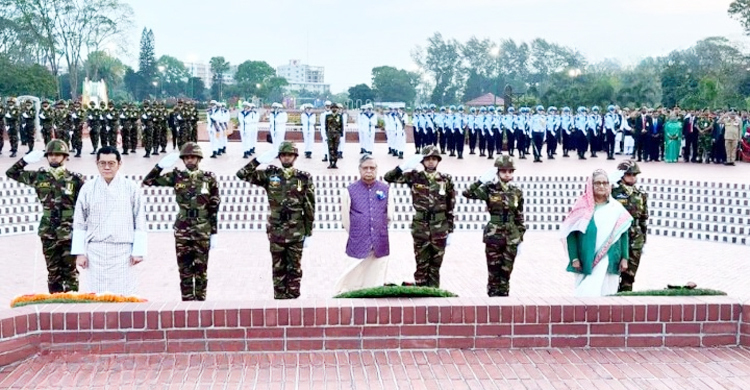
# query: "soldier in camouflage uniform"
[[133, 116], [112, 117], [28, 127], [94, 125], [62, 122], [503, 234], [433, 198], [334, 130], [193, 122], [635, 200], [47, 120], [147, 124], [179, 124], [125, 127], [103, 131], [12, 117], [162, 128], [291, 197], [705, 137], [57, 190], [77, 114], [197, 195]]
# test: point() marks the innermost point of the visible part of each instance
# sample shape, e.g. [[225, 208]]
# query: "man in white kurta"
[[109, 229]]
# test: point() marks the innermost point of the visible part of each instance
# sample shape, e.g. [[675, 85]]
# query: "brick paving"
[[708, 368]]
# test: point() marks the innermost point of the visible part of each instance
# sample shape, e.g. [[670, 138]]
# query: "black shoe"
[[308, 155], [361, 150], [214, 154], [325, 158], [550, 157], [78, 154], [245, 155], [94, 152], [124, 153], [593, 155], [401, 155], [523, 157], [442, 151], [537, 160], [481, 154], [341, 154], [132, 150], [12, 153], [460, 156], [565, 155], [472, 152], [581, 157], [147, 155]]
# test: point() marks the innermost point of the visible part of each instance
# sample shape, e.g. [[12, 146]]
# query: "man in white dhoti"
[[366, 210], [109, 229]]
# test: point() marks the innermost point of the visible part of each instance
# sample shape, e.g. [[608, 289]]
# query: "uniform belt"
[[288, 215], [429, 216], [500, 218], [194, 213], [57, 213]]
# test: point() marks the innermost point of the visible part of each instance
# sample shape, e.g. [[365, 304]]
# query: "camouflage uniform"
[[161, 128], [147, 123], [291, 197], [94, 125], [28, 127], [77, 115], [12, 116], [197, 195], [181, 130], [125, 128], [47, 120], [112, 117], [334, 130], [504, 232], [433, 198], [133, 115], [705, 138], [193, 123], [103, 130], [635, 200], [62, 122], [57, 190]]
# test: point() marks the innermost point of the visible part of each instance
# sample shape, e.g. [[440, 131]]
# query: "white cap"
[[328, 103], [251, 105], [212, 102], [246, 104], [276, 105]]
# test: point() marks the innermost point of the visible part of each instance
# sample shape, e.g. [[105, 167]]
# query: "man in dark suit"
[[655, 136], [690, 135], [643, 123]]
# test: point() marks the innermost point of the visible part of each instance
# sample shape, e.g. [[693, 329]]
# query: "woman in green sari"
[[672, 137]]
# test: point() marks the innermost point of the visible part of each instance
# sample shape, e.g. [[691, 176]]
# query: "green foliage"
[[398, 292], [219, 66], [18, 80], [394, 85], [677, 292], [740, 10], [101, 66], [360, 94], [146, 65]]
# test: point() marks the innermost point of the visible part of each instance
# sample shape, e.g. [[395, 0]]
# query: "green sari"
[[672, 140]]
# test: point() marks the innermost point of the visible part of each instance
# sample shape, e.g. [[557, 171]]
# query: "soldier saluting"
[[503, 234], [197, 195], [57, 190], [291, 197], [635, 200], [433, 198]]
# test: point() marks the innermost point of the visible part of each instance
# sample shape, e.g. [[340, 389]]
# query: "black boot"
[[12, 153], [213, 155], [78, 153], [308, 155], [341, 154], [460, 156], [401, 155], [489, 155], [245, 155], [472, 151], [361, 150], [325, 158], [125, 152], [147, 155]]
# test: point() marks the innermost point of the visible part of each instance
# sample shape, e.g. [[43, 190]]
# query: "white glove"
[[307, 241], [268, 156], [74, 116], [411, 163], [518, 250], [179, 117], [144, 116], [448, 240], [168, 160], [212, 242], [7, 115], [91, 117], [488, 176], [41, 116], [109, 117], [615, 176], [25, 115], [33, 157]]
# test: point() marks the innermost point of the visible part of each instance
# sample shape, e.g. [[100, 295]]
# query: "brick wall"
[[374, 324]]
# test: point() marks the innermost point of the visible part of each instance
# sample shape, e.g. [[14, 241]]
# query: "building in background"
[[303, 77], [203, 71]]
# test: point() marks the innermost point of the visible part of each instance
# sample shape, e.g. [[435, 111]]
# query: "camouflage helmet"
[[431, 151], [191, 149], [60, 102], [287, 147], [505, 162], [629, 166], [56, 146]]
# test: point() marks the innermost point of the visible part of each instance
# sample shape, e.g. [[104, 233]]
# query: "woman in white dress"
[[595, 237]]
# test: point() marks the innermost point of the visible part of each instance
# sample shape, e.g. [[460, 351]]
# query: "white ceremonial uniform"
[[252, 131], [308, 129], [109, 227], [277, 120], [225, 125], [371, 123], [361, 128], [214, 129], [400, 120], [389, 129], [244, 121]]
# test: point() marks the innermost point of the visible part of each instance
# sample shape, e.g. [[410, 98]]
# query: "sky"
[[349, 38]]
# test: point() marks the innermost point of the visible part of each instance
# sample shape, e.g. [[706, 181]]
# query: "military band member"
[[504, 233], [291, 198]]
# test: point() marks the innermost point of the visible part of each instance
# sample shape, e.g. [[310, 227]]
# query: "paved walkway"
[[715, 368]]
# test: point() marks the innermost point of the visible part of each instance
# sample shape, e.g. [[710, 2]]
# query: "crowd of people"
[[99, 225]]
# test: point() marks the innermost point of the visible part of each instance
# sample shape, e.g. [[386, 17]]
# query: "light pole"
[[495, 52], [155, 84]]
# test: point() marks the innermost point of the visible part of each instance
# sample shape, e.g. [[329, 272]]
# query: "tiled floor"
[[717, 368]]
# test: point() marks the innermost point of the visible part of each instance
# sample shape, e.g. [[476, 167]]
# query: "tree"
[[64, 30], [174, 75], [442, 60], [196, 89], [740, 10], [251, 76], [146, 64], [26, 80], [101, 66], [361, 93], [394, 85], [219, 66]]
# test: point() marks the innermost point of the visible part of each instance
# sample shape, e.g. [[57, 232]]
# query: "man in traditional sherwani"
[[109, 229]]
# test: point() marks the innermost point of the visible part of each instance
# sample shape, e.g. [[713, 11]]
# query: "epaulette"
[[304, 173]]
